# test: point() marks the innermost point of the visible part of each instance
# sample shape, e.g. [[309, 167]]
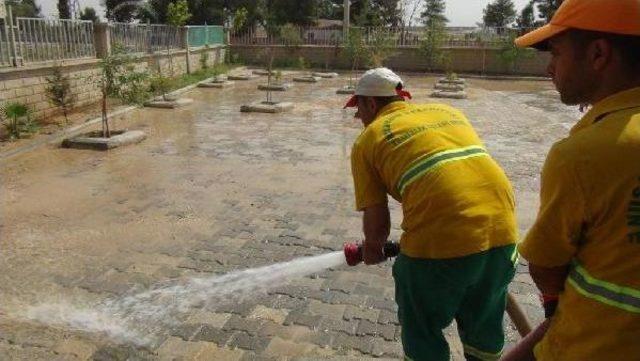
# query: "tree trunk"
[[105, 120]]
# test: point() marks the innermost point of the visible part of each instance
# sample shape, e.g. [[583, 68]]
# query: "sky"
[[459, 12]]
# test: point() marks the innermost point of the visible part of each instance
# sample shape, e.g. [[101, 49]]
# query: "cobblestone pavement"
[[212, 190]]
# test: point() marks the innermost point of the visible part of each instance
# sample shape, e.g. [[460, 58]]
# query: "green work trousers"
[[431, 293]]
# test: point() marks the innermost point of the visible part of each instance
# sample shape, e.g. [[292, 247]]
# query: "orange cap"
[[608, 16]]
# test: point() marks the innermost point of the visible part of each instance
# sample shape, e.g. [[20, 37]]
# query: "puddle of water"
[[142, 318]]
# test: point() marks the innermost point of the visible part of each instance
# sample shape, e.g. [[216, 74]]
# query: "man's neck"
[[613, 87]]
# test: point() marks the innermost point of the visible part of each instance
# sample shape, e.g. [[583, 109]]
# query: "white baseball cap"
[[378, 82]]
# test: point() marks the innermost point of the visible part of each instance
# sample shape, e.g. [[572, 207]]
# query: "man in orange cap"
[[458, 245], [584, 248]]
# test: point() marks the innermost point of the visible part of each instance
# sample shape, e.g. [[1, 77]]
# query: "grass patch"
[[198, 76]]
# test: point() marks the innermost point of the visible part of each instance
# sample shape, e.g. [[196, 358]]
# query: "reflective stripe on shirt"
[[421, 166], [611, 294]]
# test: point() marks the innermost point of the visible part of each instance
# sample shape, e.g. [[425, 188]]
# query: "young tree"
[[330, 9], [178, 13], [240, 19], [510, 55], [433, 14], [380, 47], [122, 11], [499, 14], [89, 13], [58, 91], [435, 32], [376, 12], [527, 18], [355, 50], [24, 8], [120, 79], [64, 11], [177, 16]]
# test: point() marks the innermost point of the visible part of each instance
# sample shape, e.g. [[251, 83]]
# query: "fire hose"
[[353, 254]]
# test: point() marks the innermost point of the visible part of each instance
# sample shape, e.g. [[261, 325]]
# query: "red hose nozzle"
[[353, 252]]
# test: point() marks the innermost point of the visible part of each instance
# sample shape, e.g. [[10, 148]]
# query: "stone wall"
[[464, 60], [27, 84]]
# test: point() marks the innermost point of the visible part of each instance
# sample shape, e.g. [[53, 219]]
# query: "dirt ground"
[[212, 190]]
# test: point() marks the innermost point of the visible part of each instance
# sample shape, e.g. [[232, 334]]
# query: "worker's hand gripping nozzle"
[[353, 252]]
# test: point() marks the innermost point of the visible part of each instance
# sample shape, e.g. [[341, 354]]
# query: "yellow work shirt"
[[456, 200], [590, 218]]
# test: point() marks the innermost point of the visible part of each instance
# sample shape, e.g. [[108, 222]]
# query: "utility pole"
[[346, 21]]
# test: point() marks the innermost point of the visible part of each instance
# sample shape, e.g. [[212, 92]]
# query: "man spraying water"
[[457, 252]]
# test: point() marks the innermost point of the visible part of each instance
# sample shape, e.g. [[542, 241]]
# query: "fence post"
[[147, 37], [102, 39], [206, 34], [184, 33], [12, 38]]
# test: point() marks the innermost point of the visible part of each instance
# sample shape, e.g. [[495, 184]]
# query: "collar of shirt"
[[391, 107], [626, 99]]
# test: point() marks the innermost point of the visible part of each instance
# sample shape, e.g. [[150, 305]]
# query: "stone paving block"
[[345, 342], [388, 349], [311, 283], [353, 277], [385, 281], [321, 338], [337, 285], [264, 313], [292, 291], [216, 335], [237, 323], [388, 317], [211, 352], [369, 291], [348, 327], [278, 301], [121, 353], [79, 349], [199, 266], [330, 311], [337, 297], [299, 317], [244, 308], [360, 313], [398, 334], [252, 356], [374, 329], [290, 332], [286, 348], [186, 331], [381, 270], [212, 319], [248, 342], [383, 304]]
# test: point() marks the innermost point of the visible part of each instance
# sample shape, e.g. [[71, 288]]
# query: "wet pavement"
[[212, 190]]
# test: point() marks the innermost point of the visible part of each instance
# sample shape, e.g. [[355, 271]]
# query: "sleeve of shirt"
[[552, 241], [369, 188]]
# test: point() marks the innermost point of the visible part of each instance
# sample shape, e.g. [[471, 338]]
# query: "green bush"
[[18, 120], [58, 91]]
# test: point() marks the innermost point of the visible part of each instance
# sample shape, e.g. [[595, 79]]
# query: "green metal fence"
[[201, 35]]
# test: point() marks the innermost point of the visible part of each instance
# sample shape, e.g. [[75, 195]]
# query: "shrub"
[[18, 120], [58, 91]]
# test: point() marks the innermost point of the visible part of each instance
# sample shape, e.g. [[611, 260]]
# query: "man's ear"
[[600, 54]]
